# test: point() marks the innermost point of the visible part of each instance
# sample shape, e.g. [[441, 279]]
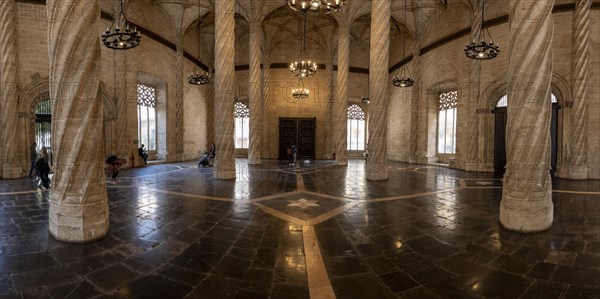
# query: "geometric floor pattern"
[[427, 232]]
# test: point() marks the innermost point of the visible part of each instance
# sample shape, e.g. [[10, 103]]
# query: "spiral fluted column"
[[224, 167], [472, 141], [578, 168], [254, 90], [266, 99], [179, 130], [378, 89], [120, 146], [340, 107], [414, 106], [209, 102], [9, 104], [526, 204], [327, 144], [78, 204]]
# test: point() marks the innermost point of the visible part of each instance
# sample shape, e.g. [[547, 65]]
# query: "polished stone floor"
[[312, 230]]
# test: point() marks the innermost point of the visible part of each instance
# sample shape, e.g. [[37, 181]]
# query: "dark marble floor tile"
[[250, 294], [541, 271], [43, 278], [544, 290], [76, 290], [232, 267], [112, 277], [582, 292], [154, 286], [364, 286], [430, 247], [576, 275], [500, 284], [380, 264], [25, 262], [181, 275], [341, 266], [398, 281], [215, 286], [449, 242], [258, 279], [419, 293]]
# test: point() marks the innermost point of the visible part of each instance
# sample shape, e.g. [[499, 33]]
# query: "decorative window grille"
[[242, 125], [146, 106], [356, 128], [447, 122]]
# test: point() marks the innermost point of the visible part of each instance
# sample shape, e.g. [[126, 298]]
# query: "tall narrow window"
[[242, 125], [356, 128], [43, 116], [447, 122], [146, 106]]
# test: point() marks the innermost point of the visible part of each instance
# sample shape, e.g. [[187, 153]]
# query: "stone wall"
[[447, 67]]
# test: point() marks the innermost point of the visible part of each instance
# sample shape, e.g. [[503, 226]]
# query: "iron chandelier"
[[316, 5], [480, 49], [117, 39]]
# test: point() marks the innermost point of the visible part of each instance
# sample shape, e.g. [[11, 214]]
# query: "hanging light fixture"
[[117, 39], [197, 76], [303, 67], [403, 76], [326, 6], [479, 49], [300, 92]]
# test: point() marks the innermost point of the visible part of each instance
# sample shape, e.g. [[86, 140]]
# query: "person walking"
[[33, 155]]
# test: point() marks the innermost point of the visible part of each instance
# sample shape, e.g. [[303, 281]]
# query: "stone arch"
[[498, 88]]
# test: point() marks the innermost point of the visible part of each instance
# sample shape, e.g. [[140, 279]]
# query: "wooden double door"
[[500, 140], [299, 132]]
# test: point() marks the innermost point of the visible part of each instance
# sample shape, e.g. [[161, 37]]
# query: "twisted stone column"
[[527, 190], [254, 90], [472, 158], [120, 146], [209, 102], [266, 100], [414, 106], [224, 78], [9, 99], [340, 107], [179, 129], [327, 144], [378, 90], [78, 203], [578, 168]]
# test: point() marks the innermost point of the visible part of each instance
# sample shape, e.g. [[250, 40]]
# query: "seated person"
[[142, 153], [114, 164]]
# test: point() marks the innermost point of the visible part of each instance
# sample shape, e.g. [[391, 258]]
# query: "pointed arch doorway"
[[500, 113], [43, 125]]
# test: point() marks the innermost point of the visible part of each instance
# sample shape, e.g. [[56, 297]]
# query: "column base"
[[254, 160], [526, 216], [11, 170], [341, 161], [471, 166], [377, 171], [78, 223], [576, 172], [224, 171]]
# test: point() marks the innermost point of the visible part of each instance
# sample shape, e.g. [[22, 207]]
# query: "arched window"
[[503, 101], [242, 125], [447, 122], [146, 106], [356, 128]]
